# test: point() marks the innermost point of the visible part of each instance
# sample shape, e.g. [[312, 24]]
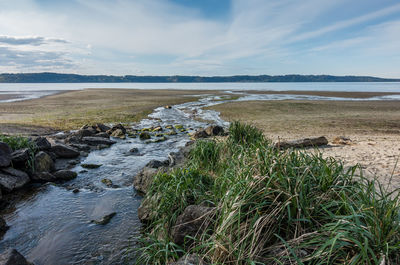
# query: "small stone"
[[91, 166], [107, 182], [105, 220], [144, 136], [65, 174], [75, 190], [118, 133], [167, 107], [134, 150], [157, 129]]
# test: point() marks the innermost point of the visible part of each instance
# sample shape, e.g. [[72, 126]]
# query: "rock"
[[167, 107], [342, 140], [157, 163], [105, 220], [145, 211], [64, 151], [65, 174], [190, 259], [3, 227], [178, 126], [108, 183], [144, 136], [102, 135], [144, 178], [11, 179], [306, 142], [81, 147], [118, 133], [42, 143], [43, 176], [191, 222], [5, 155], [157, 129], [97, 141], [116, 127], [201, 133], [91, 166], [214, 130], [101, 128], [13, 257], [43, 162], [75, 190], [173, 132], [134, 150], [161, 139], [52, 155], [85, 132], [20, 157]]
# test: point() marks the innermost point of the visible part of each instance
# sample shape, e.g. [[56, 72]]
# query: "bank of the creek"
[[51, 224]]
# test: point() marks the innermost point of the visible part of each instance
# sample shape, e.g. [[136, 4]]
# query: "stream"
[[51, 225]]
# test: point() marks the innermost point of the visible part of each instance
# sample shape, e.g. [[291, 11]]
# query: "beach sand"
[[372, 126]]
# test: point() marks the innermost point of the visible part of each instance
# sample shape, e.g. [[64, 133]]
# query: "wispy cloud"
[[35, 41]]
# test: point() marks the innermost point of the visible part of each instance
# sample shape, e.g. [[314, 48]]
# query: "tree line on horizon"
[[76, 78]]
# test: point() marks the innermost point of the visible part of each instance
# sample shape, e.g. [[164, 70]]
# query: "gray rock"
[[43, 176], [190, 259], [11, 179], [157, 163], [65, 174], [3, 227], [5, 155], [105, 220], [20, 156], [13, 257], [43, 162], [144, 136], [42, 143], [118, 133], [97, 141], [80, 147], [116, 127], [144, 178], [101, 127], [214, 130], [306, 142], [85, 132], [64, 151], [91, 166], [201, 133], [134, 150], [102, 135], [191, 222]]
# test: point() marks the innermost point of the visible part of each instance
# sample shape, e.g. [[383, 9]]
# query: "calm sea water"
[[22, 91]]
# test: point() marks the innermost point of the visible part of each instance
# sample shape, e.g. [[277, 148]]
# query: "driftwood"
[[306, 142]]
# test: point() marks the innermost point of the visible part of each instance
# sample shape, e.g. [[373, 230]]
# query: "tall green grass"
[[275, 207], [19, 142]]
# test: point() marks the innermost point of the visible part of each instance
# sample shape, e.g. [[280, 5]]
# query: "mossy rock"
[[144, 136], [107, 182], [157, 129], [146, 130], [159, 135], [170, 127], [172, 133], [162, 139], [179, 126]]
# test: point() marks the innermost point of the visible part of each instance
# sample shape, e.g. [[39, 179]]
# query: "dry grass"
[[310, 118], [73, 109]]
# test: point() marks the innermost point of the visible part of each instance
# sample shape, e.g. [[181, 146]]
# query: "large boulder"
[[214, 130], [20, 157], [97, 141], [5, 155], [13, 257], [64, 151], [144, 178], [300, 143], [43, 162], [11, 179], [189, 259], [43, 177], [193, 221], [42, 143]]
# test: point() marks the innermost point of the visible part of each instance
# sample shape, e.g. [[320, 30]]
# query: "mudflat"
[[72, 109]]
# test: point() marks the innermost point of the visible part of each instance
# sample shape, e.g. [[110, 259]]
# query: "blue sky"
[[201, 37]]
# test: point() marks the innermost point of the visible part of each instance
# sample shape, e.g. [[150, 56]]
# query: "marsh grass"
[[274, 207]]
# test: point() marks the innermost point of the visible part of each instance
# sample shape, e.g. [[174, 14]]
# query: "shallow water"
[[52, 226], [37, 90]]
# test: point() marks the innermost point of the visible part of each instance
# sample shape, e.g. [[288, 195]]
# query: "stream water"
[[51, 225]]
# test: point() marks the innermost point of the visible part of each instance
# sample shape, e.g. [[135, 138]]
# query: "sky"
[[201, 37]]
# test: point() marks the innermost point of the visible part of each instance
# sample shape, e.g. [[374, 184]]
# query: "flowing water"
[[51, 225]]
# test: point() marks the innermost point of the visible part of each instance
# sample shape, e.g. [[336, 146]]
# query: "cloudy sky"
[[201, 37]]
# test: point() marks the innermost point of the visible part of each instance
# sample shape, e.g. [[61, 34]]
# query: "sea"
[[10, 92]]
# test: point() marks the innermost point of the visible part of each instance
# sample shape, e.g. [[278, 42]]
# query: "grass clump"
[[274, 207], [16, 142]]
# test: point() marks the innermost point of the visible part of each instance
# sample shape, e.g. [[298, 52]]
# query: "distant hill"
[[74, 78]]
